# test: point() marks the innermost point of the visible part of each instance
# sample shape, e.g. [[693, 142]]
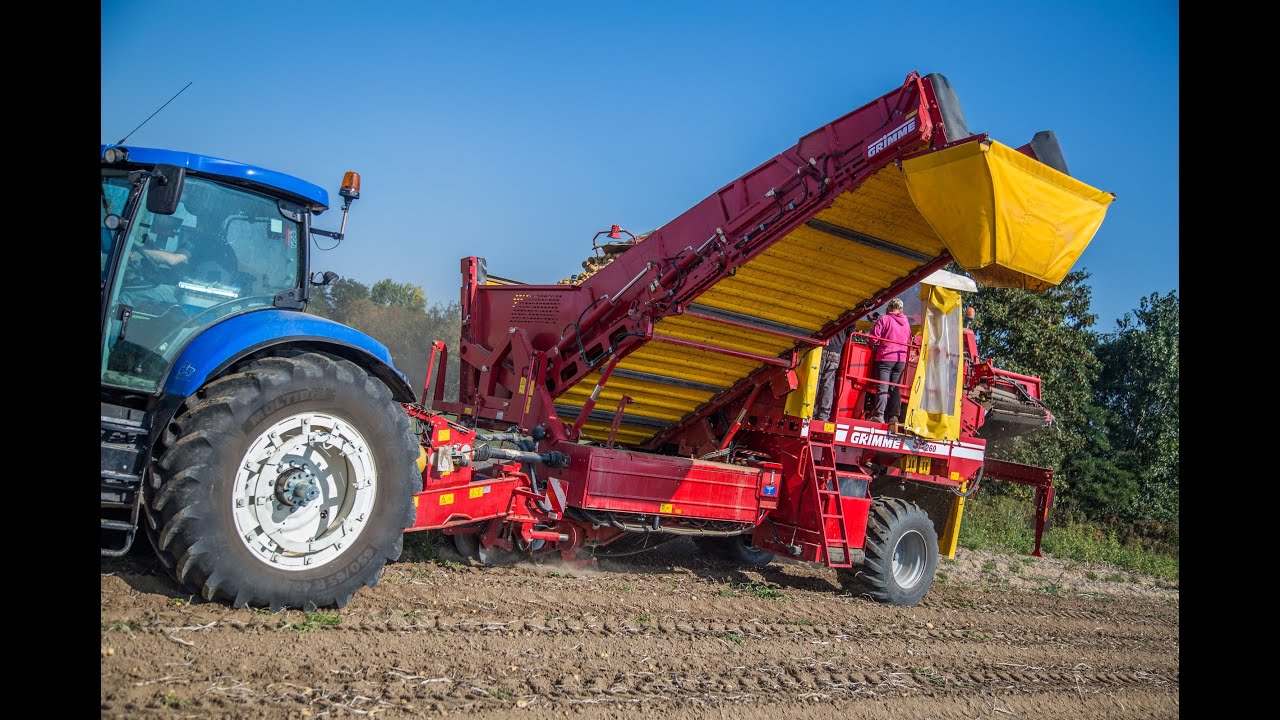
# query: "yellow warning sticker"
[[828, 427], [415, 500], [446, 499], [474, 493], [523, 383], [914, 464], [955, 475], [665, 507], [466, 411], [443, 435]]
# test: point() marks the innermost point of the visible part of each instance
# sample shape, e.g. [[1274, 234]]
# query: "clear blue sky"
[[516, 131]]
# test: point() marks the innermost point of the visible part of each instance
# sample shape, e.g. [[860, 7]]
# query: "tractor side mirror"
[[166, 189], [328, 278]]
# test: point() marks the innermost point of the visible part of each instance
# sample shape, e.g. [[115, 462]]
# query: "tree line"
[[1114, 395], [398, 316], [1113, 445]]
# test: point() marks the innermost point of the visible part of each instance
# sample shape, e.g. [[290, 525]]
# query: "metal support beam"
[[855, 236]]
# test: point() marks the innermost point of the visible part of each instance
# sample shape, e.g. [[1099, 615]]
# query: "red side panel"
[[855, 370], [855, 510], [442, 506], [622, 481]]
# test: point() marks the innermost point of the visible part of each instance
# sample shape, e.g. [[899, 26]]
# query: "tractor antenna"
[[144, 122]]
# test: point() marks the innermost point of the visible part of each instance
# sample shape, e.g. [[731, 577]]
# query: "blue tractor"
[[262, 450]]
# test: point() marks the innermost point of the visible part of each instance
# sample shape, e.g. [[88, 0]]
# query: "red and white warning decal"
[[557, 495]]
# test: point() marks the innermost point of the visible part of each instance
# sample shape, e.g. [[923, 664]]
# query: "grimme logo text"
[[892, 137]]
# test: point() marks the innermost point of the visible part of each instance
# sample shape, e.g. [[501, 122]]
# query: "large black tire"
[[202, 471], [736, 549], [901, 555]]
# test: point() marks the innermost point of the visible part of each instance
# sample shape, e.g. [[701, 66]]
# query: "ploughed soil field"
[[670, 633]]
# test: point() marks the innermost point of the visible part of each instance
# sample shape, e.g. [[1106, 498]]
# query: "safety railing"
[[871, 378]]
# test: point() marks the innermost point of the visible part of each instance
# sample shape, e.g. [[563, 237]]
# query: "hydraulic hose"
[[551, 458]]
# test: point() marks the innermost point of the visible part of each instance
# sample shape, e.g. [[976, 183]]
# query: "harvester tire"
[[468, 546], [901, 555], [736, 549], [288, 483]]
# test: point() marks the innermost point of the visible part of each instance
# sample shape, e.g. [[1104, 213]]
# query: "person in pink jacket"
[[892, 333]]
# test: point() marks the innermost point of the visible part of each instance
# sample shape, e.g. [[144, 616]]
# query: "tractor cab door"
[[225, 251]]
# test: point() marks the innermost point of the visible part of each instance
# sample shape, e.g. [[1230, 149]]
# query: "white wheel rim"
[[322, 450], [909, 560]]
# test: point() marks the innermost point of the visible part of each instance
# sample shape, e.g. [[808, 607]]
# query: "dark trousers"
[[889, 397], [826, 387]]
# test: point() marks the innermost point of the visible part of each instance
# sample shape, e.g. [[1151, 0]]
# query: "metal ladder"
[[822, 472], [124, 441]]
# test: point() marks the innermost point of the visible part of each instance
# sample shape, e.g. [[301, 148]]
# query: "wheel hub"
[[304, 491], [296, 487], [909, 559]]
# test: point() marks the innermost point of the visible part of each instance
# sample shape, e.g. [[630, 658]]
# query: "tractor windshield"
[[226, 251]]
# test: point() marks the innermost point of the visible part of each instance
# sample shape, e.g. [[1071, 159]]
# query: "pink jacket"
[[893, 327]]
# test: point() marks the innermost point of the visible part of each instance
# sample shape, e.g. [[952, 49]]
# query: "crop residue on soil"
[[669, 634]]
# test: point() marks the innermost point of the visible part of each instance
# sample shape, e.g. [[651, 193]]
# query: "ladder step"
[[826, 482], [117, 525]]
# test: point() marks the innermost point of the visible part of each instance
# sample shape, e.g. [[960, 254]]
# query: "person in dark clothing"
[[148, 277], [891, 338], [827, 370], [213, 259]]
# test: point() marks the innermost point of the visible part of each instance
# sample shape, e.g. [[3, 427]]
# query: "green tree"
[[389, 293], [334, 300], [1102, 486], [396, 315], [1046, 334], [1139, 383]]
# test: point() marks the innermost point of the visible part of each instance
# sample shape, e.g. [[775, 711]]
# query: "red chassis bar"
[[1037, 477]]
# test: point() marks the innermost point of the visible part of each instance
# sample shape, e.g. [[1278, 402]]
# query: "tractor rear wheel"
[[288, 483], [737, 549], [901, 555]]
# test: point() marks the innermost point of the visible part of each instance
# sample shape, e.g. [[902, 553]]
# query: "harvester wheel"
[[737, 549], [901, 555], [468, 545], [288, 483]]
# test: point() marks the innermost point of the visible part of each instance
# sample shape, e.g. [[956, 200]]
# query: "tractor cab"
[[188, 241], [204, 271]]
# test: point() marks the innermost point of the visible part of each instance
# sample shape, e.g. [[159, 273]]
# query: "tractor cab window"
[[115, 194], [226, 251]]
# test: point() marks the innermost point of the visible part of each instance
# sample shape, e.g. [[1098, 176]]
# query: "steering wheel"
[[142, 270], [146, 264]]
